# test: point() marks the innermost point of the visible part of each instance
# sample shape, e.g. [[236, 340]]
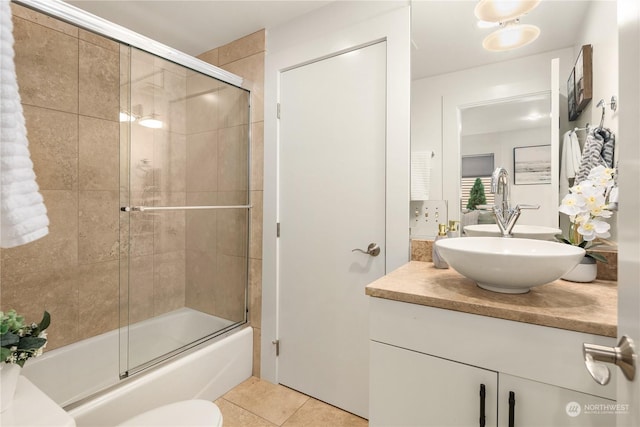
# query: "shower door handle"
[[373, 249], [178, 208]]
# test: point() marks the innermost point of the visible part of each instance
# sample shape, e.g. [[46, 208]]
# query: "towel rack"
[[177, 208], [587, 127]]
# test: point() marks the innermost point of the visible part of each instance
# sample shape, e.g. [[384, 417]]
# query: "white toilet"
[[20, 413], [188, 413]]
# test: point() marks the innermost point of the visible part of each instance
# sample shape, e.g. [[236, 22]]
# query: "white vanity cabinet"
[[408, 388], [428, 364], [537, 405]]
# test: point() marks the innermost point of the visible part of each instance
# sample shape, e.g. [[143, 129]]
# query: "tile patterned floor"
[[257, 403]]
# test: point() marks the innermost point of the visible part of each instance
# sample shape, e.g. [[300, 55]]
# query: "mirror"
[[466, 79], [514, 134]]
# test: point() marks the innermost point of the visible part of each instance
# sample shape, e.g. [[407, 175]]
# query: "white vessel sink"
[[520, 231], [509, 265]]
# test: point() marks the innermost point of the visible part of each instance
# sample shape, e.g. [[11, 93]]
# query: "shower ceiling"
[[195, 27]]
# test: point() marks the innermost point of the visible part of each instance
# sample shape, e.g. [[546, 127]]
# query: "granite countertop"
[[583, 307]]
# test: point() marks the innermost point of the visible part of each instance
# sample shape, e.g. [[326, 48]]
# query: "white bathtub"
[[71, 373]]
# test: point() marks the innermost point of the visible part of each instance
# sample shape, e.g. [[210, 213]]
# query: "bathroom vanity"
[[447, 353]]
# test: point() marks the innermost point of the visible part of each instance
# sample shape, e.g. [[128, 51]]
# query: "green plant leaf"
[[31, 343], [597, 257], [4, 354], [44, 323], [8, 339], [563, 239]]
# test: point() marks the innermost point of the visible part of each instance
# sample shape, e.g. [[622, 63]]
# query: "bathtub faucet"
[[505, 215]]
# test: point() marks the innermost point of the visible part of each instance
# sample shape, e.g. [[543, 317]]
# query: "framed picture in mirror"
[[583, 77], [571, 96], [532, 165]]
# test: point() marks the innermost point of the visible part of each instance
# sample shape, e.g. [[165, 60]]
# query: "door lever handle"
[[623, 355], [373, 249]]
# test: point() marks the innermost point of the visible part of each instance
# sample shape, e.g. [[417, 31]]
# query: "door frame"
[[629, 177], [395, 28]]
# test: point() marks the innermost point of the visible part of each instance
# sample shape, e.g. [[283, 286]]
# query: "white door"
[[331, 201]]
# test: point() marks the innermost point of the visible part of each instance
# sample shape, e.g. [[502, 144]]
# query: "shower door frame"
[[82, 19], [128, 208], [85, 20]]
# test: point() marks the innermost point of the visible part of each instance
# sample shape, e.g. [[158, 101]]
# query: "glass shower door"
[[185, 216]]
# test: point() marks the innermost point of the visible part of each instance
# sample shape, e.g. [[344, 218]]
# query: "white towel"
[[23, 215], [420, 174], [570, 161]]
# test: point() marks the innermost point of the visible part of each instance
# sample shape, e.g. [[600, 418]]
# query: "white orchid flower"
[[588, 201], [572, 204], [600, 211], [593, 198], [594, 228], [602, 177], [581, 218]]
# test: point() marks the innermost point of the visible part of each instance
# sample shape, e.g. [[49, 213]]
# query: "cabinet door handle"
[[512, 408], [483, 393]]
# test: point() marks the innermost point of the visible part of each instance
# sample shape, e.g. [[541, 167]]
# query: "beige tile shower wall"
[[69, 85], [245, 57]]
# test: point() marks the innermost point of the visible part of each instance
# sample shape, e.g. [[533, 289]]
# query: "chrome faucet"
[[500, 185], [506, 216]]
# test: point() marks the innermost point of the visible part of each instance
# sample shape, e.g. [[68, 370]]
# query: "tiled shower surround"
[[73, 85]]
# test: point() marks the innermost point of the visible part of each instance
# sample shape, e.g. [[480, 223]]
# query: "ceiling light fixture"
[[503, 10], [512, 35]]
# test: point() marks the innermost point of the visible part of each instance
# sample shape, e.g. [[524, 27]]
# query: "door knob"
[[373, 249], [623, 355]]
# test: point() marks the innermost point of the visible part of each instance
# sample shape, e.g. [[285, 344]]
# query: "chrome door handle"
[[373, 249], [623, 355]]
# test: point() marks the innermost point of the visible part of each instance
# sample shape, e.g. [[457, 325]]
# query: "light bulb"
[[512, 36], [503, 10]]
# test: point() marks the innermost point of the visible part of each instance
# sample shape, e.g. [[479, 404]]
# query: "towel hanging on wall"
[[598, 150], [569, 160], [420, 174], [23, 215]]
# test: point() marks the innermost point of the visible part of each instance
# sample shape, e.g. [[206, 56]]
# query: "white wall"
[[600, 31], [436, 100], [338, 27], [502, 145]]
